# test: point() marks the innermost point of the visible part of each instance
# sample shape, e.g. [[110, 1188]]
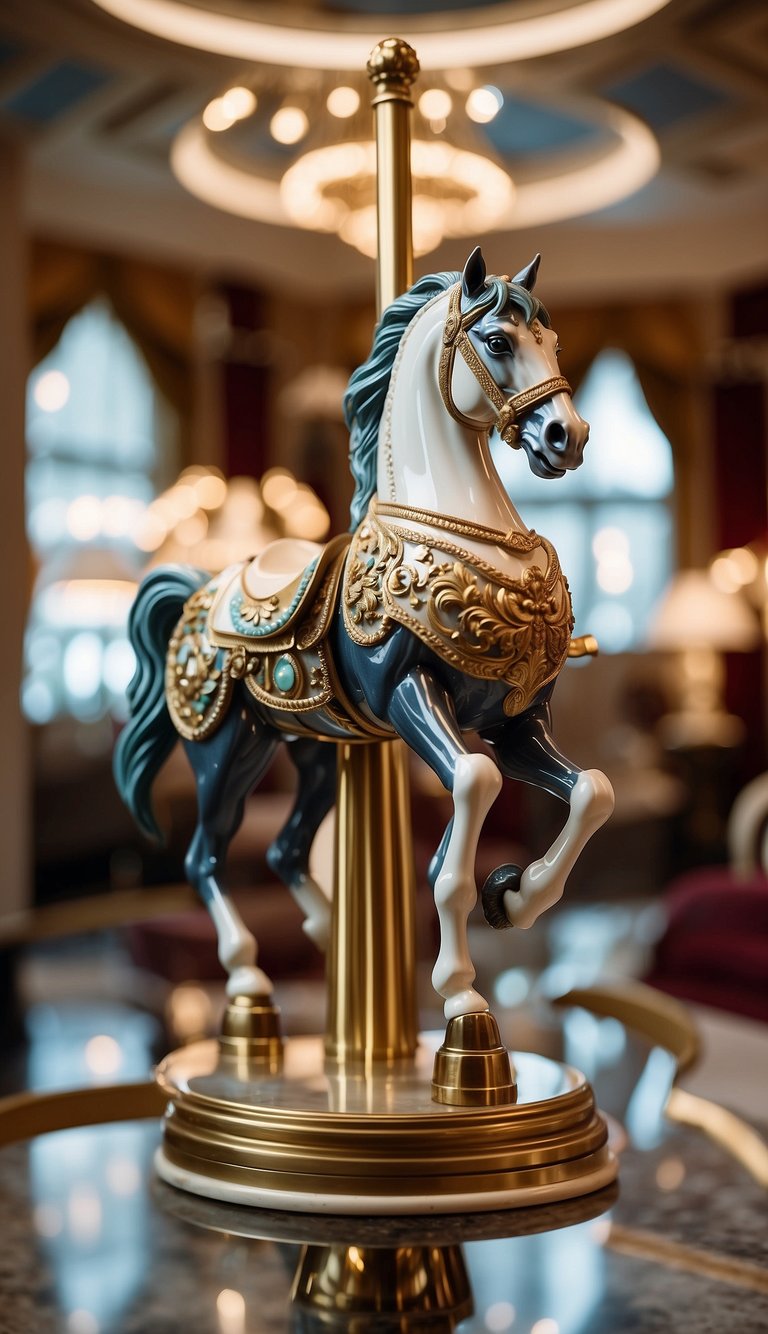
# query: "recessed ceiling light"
[[343, 102], [435, 104], [239, 102], [483, 104], [289, 125], [216, 117], [577, 187]]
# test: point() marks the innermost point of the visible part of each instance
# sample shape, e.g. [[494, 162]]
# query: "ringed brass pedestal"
[[309, 1139]]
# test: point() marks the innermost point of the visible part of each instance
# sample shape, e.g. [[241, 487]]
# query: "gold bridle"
[[509, 411]]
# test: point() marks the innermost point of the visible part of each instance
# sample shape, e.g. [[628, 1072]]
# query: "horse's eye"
[[498, 345]]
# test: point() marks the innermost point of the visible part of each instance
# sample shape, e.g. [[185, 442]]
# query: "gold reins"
[[509, 411]]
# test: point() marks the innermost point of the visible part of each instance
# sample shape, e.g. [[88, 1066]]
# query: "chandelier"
[[290, 143], [296, 150]]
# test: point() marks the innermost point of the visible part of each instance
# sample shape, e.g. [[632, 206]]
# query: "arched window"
[[99, 435], [611, 520]]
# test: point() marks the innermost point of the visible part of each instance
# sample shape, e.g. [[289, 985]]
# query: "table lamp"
[[698, 622]]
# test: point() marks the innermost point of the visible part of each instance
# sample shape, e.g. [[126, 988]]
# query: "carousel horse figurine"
[[440, 613]]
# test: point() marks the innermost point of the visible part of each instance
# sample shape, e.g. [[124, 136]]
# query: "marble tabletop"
[[94, 1243]]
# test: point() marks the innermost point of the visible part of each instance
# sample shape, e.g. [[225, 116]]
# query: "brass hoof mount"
[[251, 1030], [472, 1068]]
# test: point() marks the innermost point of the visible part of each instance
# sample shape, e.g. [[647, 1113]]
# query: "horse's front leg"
[[527, 750], [422, 713]]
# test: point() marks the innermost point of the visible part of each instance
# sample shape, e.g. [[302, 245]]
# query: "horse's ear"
[[527, 277], [473, 277]]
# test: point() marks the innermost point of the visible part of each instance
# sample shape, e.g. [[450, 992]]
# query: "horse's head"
[[507, 374]]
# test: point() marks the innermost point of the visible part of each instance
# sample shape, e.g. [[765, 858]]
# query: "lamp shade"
[[694, 614]]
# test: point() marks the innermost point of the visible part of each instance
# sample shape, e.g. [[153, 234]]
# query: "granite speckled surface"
[[93, 1244]]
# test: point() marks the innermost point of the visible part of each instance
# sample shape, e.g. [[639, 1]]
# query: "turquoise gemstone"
[[284, 675]]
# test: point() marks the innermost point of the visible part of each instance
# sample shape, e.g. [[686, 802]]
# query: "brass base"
[[472, 1067], [314, 1139], [343, 1287]]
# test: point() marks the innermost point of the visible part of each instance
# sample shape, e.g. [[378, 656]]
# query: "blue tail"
[[149, 736]]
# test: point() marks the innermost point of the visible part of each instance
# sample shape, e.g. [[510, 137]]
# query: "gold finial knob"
[[392, 68]]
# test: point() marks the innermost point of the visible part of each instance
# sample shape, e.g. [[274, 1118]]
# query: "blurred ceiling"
[[98, 103]]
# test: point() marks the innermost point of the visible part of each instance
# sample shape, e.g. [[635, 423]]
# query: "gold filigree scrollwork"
[[372, 555], [242, 663], [198, 680], [522, 627], [411, 580], [503, 621], [363, 592], [508, 625], [292, 682]]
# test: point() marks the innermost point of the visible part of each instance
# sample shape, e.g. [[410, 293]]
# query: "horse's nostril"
[[556, 435]]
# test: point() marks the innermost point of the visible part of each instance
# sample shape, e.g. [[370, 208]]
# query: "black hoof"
[[494, 889]]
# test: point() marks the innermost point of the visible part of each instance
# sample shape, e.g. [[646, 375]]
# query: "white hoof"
[[467, 1001], [248, 981]]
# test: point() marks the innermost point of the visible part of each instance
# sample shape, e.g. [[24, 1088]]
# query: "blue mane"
[[368, 385]]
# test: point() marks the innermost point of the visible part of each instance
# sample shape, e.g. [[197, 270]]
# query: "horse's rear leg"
[[288, 856], [423, 715], [227, 766], [527, 750]]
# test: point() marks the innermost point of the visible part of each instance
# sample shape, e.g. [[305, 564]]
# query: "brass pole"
[[392, 69], [372, 1014]]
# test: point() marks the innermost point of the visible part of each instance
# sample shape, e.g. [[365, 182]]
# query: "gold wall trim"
[[667, 1023], [74, 917], [25, 1115], [662, 1020], [641, 1245], [725, 1128]]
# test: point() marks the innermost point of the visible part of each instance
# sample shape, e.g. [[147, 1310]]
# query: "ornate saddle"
[[265, 599], [274, 617], [265, 623]]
